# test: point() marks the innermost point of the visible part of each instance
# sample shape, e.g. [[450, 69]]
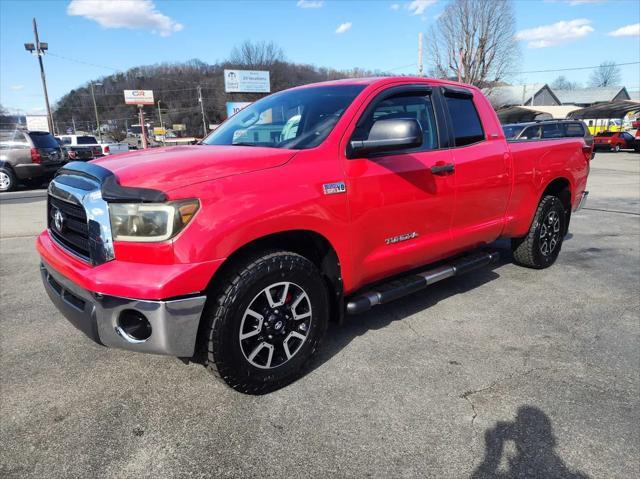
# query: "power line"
[[570, 69]]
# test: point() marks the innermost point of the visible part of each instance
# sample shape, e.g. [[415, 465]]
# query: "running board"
[[398, 288]]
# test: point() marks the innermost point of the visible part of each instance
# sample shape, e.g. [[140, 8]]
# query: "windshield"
[[87, 140], [295, 119], [511, 131], [605, 133]]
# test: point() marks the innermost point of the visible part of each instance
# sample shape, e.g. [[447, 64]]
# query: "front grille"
[[74, 231]]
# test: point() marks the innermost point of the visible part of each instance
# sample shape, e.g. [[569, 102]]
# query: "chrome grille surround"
[[85, 192]]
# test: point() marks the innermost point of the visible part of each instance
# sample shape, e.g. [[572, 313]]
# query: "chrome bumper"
[[583, 200], [174, 323]]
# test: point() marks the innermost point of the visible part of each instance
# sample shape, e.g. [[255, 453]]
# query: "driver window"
[[403, 106]]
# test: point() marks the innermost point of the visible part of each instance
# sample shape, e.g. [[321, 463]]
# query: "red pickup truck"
[[309, 204]]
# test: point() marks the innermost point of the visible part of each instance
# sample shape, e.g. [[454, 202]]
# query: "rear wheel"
[[7, 179], [265, 322], [540, 248]]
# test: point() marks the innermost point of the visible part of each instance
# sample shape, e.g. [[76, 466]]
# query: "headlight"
[[150, 222]]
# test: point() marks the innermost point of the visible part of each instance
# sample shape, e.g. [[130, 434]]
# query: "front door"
[[400, 210]]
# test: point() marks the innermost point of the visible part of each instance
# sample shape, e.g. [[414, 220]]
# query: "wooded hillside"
[[176, 86]]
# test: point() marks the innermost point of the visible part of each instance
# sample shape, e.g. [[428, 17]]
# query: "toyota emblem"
[[58, 220]]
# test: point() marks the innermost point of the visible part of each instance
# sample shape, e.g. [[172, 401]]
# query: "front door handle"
[[443, 169]]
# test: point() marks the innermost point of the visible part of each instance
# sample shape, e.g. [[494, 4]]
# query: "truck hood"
[[169, 168]]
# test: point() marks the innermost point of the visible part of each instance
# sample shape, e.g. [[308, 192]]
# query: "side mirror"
[[389, 135]]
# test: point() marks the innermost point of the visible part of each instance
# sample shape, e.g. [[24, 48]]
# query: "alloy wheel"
[[550, 233], [5, 181], [275, 325]]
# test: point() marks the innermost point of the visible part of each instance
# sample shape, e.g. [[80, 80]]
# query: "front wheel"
[[540, 248], [616, 148], [266, 322]]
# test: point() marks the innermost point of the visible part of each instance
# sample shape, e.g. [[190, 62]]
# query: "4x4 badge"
[[334, 188]]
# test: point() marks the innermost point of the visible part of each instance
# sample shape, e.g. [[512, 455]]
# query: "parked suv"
[[547, 129], [28, 155]]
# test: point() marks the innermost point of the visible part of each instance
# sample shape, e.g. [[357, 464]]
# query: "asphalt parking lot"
[[506, 372]]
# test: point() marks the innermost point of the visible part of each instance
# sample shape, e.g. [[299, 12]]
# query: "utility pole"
[[420, 54], [143, 129], [39, 49], [161, 124], [73, 121], [204, 121], [95, 109]]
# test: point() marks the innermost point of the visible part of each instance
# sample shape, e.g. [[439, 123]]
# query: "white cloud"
[[125, 14], [395, 7], [573, 3], [560, 32], [310, 3], [343, 27], [418, 7], [632, 30], [16, 87]]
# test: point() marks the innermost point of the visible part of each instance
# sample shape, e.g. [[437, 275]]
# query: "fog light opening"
[[133, 326]]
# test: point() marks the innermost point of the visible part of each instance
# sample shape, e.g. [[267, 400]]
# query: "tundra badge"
[[399, 238], [334, 188]]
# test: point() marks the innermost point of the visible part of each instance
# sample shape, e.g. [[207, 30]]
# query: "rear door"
[[14, 148], [400, 210], [482, 180]]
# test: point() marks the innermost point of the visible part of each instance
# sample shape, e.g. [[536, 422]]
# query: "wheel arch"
[[308, 243]]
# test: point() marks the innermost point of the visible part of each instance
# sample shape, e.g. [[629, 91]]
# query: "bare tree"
[[475, 38], [118, 135], [607, 74], [561, 83], [259, 54]]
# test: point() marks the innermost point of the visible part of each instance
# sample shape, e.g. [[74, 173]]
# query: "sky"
[[89, 39]]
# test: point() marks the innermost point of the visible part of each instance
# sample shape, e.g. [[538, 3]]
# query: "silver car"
[[28, 155]]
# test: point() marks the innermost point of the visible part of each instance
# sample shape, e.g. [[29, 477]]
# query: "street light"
[[38, 48], [95, 109]]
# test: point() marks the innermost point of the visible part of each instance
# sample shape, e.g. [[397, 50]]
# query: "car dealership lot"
[[543, 364]]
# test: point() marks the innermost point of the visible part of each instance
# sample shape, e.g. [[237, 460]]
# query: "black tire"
[[226, 311], [7, 179], [530, 251], [616, 148]]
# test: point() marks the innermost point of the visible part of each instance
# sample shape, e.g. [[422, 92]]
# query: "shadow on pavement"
[[339, 336], [534, 455]]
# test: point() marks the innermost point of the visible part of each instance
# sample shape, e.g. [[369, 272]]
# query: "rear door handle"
[[443, 169]]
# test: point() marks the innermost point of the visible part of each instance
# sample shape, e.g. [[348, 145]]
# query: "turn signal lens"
[[187, 211]]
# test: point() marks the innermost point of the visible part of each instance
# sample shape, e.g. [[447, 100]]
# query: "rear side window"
[[42, 139], [467, 127], [86, 140], [553, 130], [574, 129]]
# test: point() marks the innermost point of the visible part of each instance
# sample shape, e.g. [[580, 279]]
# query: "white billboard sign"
[[246, 81], [138, 97], [37, 123]]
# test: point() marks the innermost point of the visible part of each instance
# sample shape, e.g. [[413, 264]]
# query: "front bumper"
[[174, 323]]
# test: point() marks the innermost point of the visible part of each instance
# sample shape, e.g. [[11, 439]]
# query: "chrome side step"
[[398, 288]]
